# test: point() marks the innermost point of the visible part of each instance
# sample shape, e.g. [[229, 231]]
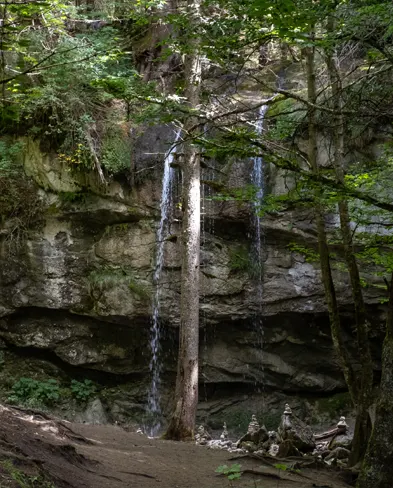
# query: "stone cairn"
[[292, 438]]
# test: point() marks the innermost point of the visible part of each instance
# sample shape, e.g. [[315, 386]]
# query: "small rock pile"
[[203, 438], [292, 438], [334, 446]]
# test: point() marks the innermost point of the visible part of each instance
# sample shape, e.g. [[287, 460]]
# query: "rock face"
[[77, 294]]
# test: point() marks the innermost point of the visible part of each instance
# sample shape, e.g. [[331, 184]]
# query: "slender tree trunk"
[[377, 471], [330, 292], [365, 379], [182, 423]]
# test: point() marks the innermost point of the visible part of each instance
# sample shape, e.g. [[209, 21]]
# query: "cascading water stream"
[[155, 329], [257, 179]]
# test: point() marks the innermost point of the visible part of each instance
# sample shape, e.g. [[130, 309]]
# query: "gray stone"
[[338, 453], [95, 413], [341, 440]]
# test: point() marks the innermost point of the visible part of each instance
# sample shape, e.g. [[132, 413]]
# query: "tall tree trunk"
[[365, 379], [182, 423], [377, 471], [330, 292]]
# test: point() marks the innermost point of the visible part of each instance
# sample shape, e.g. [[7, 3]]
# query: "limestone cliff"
[[75, 298]]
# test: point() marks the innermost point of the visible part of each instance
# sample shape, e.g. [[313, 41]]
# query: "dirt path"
[[95, 456]]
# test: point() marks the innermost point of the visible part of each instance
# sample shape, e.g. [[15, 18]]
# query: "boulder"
[[338, 453], [95, 413], [341, 440]]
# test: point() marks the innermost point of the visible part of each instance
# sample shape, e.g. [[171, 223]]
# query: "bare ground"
[[63, 454]]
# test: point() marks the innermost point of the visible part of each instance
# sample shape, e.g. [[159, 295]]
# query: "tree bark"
[[182, 423], [377, 470], [330, 292], [365, 379]]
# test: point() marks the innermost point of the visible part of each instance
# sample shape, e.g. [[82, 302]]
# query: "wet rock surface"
[[77, 293]]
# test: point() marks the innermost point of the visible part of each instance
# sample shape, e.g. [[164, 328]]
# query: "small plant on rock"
[[82, 390]]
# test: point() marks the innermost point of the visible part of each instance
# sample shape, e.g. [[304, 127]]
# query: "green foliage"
[[285, 467], [68, 109], [232, 472], [20, 203], [284, 118], [82, 391], [281, 467], [116, 151], [138, 289], [244, 194], [33, 392], [310, 255], [23, 480], [105, 278], [377, 256], [10, 153], [239, 259]]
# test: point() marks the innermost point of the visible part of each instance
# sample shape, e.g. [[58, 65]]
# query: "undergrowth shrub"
[[21, 208], [116, 151], [8, 472], [72, 110], [232, 473], [33, 392], [241, 260], [83, 390]]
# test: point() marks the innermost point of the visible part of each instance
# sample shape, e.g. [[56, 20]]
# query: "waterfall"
[[155, 329], [257, 179]]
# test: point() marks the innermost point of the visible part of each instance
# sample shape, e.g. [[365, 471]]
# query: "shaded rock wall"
[[78, 293]]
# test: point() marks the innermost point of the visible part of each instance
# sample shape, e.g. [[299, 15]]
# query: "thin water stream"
[[258, 181], [154, 406]]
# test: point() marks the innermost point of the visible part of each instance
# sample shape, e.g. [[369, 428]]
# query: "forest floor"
[[39, 451]]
